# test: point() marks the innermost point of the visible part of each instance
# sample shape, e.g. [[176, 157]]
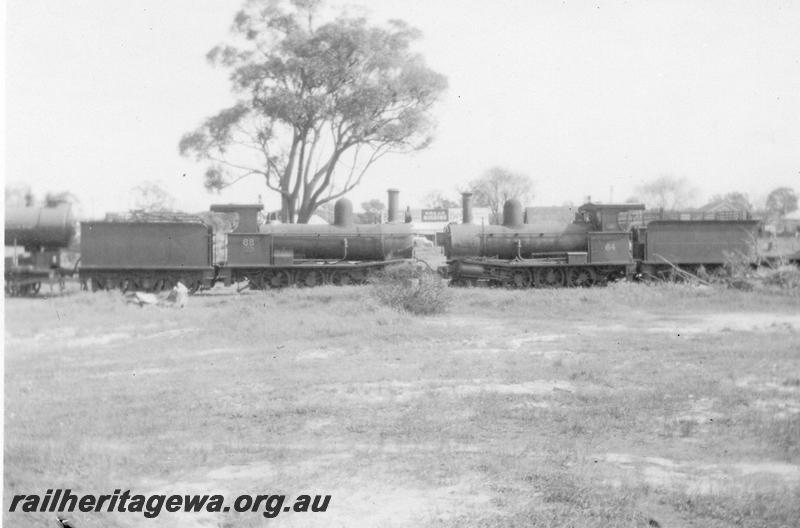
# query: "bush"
[[412, 288], [786, 277]]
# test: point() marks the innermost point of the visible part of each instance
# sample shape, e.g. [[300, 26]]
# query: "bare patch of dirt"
[[778, 408], [316, 354], [701, 412], [363, 501], [395, 391], [380, 503], [692, 477], [761, 385], [727, 322], [530, 388]]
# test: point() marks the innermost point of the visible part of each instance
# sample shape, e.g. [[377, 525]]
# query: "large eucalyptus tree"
[[317, 103]]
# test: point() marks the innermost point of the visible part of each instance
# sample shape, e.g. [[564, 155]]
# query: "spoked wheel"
[[280, 279], [312, 278], [521, 279], [341, 278], [550, 277], [582, 277]]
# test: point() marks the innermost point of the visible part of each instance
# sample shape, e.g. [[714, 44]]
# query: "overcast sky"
[[585, 98]]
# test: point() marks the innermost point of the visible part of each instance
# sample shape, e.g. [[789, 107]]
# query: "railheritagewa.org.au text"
[[152, 505]]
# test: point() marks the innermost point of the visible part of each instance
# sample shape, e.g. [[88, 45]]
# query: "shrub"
[[412, 288], [786, 277]]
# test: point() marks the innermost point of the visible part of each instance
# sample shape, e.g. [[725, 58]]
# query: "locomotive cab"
[[605, 217]]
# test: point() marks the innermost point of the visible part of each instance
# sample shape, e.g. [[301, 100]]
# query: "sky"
[[586, 98]]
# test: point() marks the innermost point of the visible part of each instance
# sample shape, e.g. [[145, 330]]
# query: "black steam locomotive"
[[156, 255], [593, 249]]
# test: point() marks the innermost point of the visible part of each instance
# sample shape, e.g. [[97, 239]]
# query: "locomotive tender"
[[593, 249], [151, 256]]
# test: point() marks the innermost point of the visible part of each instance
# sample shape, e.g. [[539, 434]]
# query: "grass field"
[[630, 405]]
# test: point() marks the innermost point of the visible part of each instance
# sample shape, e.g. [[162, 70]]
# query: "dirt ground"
[[630, 405]]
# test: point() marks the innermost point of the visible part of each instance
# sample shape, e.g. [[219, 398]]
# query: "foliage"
[[317, 105], [437, 200], [373, 212], [781, 201], [412, 288], [784, 277], [498, 185], [19, 195], [738, 199], [666, 192], [151, 197]]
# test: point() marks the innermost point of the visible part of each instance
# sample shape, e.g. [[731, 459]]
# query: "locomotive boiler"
[[279, 255], [36, 240], [591, 249]]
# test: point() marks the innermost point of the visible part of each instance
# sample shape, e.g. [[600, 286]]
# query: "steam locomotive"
[[593, 249], [158, 253]]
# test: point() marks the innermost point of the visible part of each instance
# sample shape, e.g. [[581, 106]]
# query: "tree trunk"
[[286, 210]]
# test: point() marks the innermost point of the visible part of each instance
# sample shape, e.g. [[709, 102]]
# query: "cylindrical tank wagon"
[[36, 239], [49, 227]]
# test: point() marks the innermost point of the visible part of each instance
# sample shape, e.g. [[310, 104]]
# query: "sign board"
[[434, 215]]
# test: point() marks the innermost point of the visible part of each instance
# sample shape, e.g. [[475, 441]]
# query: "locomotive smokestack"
[[466, 208], [394, 207]]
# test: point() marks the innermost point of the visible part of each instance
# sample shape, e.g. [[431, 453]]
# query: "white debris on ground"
[[175, 298]]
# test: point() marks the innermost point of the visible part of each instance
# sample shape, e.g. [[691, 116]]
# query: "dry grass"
[[601, 407]]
